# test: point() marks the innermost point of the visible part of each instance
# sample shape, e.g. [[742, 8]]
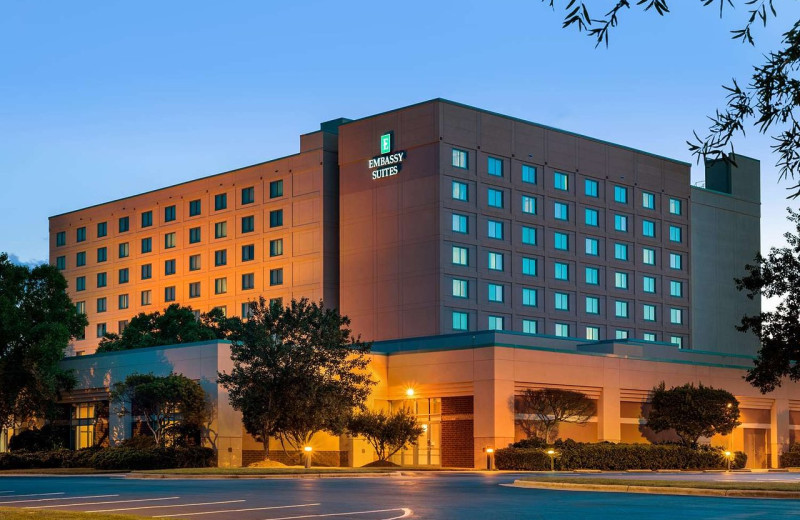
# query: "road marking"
[[406, 513], [51, 499], [162, 507], [236, 510], [99, 503], [33, 495]]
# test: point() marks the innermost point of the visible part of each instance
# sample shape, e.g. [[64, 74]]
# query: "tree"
[[37, 321], [387, 433], [297, 370], [176, 324], [170, 405], [771, 97], [693, 411], [543, 410], [777, 275]]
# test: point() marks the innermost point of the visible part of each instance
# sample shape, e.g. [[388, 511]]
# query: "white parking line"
[[236, 510], [52, 499], [163, 507], [99, 503], [35, 495], [406, 513]]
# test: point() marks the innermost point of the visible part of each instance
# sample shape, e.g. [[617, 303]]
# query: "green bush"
[[122, 458], [791, 457], [45, 438], [614, 457]]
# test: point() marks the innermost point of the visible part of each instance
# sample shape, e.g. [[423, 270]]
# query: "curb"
[[657, 490]]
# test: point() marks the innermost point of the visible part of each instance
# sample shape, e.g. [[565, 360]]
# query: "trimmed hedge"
[[613, 457], [791, 458], [122, 458]]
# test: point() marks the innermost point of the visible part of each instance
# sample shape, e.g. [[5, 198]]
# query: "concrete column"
[[119, 425], [608, 415], [493, 412], [779, 429]]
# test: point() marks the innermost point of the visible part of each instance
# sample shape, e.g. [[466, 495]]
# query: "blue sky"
[[100, 100]]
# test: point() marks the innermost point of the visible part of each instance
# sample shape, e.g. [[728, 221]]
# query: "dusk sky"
[[103, 100]]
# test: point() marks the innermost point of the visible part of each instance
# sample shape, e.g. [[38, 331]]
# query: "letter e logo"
[[386, 143]]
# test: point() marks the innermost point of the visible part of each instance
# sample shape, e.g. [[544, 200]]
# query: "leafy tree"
[[170, 405], [387, 433], [771, 97], [777, 275], [693, 411], [37, 321], [297, 370], [543, 410], [176, 324]]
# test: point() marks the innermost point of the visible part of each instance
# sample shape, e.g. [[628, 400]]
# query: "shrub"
[[791, 457], [42, 439], [121, 458]]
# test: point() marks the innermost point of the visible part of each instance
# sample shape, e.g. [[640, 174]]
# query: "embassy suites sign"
[[387, 164]]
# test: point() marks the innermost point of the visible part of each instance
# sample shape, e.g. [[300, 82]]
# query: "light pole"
[[308, 450], [728, 456], [552, 453], [489, 452]]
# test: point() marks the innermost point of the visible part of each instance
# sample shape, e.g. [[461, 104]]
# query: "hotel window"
[[248, 195], [220, 257], [592, 305], [276, 189], [590, 188], [460, 320], [194, 235], [592, 276], [276, 247], [102, 254], [169, 267], [676, 316], [648, 228], [80, 283], [247, 310], [561, 241], [276, 301], [460, 190], [102, 229], [194, 290], [220, 285], [676, 289], [221, 229], [80, 234], [621, 223], [147, 271], [460, 288], [648, 200], [528, 174], [80, 259], [528, 236], [80, 307], [495, 166], [276, 276], [621, 252], [248, 253], [562, 271], [562, 330], [621, 280], [529, 266], [122, 301], [102, 280], [147, 245], [169, 293], [460, 255], [147, 297], [591, 217], [560, 211], [675, 261], [495, 261], [675, 206], [248, 224], [220, 201], [621, 309], [649, 284], [101, 330], [124, 224], [101, 305], [495, 323], [562, 301], [195, 208], [248, 281], [649, 336], [593, 333], [459, 223], [276, 218], [495, 229], [648, 256], [194, 263], [147, 219], [530, 326], [61, 238], [675, 234], [528, 205], [560, 181], [61, 263], [495, 198], [460, 158], [124, 250], [169, 213], [495, 293], [677, 341], [529, 297], [648, 312], [622, 334], [620, 194], [169, 240], [592, 246]]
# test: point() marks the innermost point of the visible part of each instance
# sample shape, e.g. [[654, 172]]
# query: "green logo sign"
[[386, 143]]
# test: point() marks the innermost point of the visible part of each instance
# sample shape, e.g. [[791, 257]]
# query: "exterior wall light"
[[489, 452], [410, 392], [308, 450], [552, 453]]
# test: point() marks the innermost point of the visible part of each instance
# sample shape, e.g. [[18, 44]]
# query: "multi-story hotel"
[[483, 254]]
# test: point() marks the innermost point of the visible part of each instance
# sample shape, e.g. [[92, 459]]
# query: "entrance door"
[[755, 446]]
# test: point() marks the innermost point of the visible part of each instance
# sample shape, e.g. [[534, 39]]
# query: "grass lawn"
[[32, 514], [287, 470], [694, 484]]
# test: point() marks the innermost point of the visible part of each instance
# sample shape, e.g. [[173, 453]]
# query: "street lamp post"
[[552, 453], [728, 457], [489, 452], [308, 450]]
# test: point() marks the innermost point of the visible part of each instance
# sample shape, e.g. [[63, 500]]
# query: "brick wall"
[[457, 432]]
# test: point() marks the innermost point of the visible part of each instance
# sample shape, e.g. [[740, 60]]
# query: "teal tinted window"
[[169, 213], [124, 224], [529, 297], [460, 158], [61, 263], [648, 200], [248, 224], [676, 289], [591, 217], [592, 276], [561, 211], [123, 275], [248, 195], [528, 174], [147, 219], [61, 238], [675, 261], [276, 277], [248, 252], [561, 271], [648, 228], [102, 229], [592, 305], [276, 247], [649, 284], [561, 301], [495, 229], [80, 259], [621, 309], [460, 190], [592, 246], [560, 241], [675, 206], [80, 283], [590, 188], [248, 281], [147, 245], [621, 223], [675, 234], [495, 166], [276, 189], [459, 223], [530, 326], [276, 218], [621, 251], [460, 255], [102, 280], [495, 261], [169, 267], [194, 235], [220, 257], [621, 280], [529, 267], [220, 202], [528, 236], [194, 263], [460, 320], [560, 181], [528, 205], [495, 198], [621, 194], [102, 254], [80, 234], [147, 271], [195, 208], [495, 292]]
